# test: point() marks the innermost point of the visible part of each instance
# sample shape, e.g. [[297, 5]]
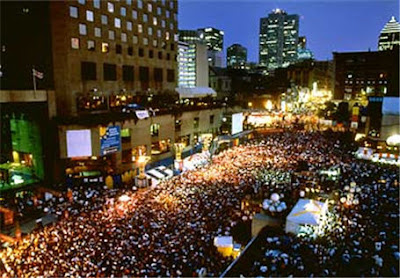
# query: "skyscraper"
[[278, 39], [303, 53], [236, 56], [214, 39], [390, 35]]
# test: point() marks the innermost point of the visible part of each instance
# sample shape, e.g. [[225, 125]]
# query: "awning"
[[195, 92], [160, 173]]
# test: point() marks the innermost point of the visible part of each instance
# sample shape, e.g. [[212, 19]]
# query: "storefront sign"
[[142, 114], [110, 139]]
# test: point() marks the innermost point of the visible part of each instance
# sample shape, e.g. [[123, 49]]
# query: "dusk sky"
[[329, 25]]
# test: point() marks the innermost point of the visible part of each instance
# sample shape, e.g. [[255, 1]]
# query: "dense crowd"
[[169, 230]]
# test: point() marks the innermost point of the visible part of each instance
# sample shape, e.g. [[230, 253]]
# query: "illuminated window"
[[123, 11], [145, 17], [171, 4], [89, 16], [110, 7], [140, 28], [149, 7], [140, 4], [96, 4], [75, 43], [111, 35], [171, 26], [97, 32], [159, 33], [129, 25], [82, 29], [150, 31], [81, 2], [117, 22], [163, 23], [91, 45], [134, 14], [167, 36], [123, 37], [155, 43], [135, 39], [73, 12], [154, 20], [104, 19], [145, 41], [128, 2], [104, 47], [159, 11], [167, 14]]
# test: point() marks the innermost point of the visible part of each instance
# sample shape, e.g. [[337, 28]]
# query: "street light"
[[142, 161]]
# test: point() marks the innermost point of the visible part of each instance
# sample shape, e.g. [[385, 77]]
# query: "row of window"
[[83, 30], [89, 72], [73, 11], [111, 6], [105, 48]]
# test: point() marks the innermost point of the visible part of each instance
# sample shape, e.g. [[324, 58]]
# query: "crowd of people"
[[169, 230]]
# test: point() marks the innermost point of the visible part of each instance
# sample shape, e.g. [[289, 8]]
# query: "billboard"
[[237, 123], [391, 106], [110, 139], [79, 143]]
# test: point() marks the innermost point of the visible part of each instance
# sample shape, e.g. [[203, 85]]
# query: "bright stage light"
[[124, 198]]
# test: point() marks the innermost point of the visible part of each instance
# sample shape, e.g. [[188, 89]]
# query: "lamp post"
[[178, 155], [141, 180]]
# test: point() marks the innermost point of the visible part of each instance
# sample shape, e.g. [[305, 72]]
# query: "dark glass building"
[[278, 39], [236, 56]]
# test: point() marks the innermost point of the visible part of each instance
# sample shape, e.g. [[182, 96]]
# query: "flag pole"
[[34, 82]]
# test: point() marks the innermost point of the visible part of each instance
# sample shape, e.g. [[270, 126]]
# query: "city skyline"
[[361, 19]]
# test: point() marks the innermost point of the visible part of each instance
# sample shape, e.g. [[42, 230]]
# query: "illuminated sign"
[[110, 139], [79, 143]]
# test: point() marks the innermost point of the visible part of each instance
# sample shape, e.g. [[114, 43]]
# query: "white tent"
[[159, 173], [196, 92], [305, 212]]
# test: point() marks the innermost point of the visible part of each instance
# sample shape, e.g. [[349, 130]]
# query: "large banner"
[[110, 139]]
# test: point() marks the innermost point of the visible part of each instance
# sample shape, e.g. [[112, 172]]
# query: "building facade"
[[278, 39], [390, 35], [366, 74], [236, 56], [214, 40]]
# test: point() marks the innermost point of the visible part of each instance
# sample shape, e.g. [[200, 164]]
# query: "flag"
[[37, 74]]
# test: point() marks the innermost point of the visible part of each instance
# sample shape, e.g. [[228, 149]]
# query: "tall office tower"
[[390, 35], [303, 53], [106, 47], [278, 39], [236, 56], [190, 36], [214, 40], [192, 65]]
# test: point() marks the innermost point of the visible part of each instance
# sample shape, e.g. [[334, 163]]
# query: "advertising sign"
[[237, 123], [110, 139], [79, 143]]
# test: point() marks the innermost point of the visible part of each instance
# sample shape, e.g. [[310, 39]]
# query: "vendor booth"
[[305, 213]]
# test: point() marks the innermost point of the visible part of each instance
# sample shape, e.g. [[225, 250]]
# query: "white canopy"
[[223, 241], [305, 212], [196, 92], [159, 173]]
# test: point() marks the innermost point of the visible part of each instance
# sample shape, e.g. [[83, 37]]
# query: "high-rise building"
[[303, 53], [98, 49], [192, 65], [190, 36], [390, 35], [278, 39], [236, 56], [214, 40]]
